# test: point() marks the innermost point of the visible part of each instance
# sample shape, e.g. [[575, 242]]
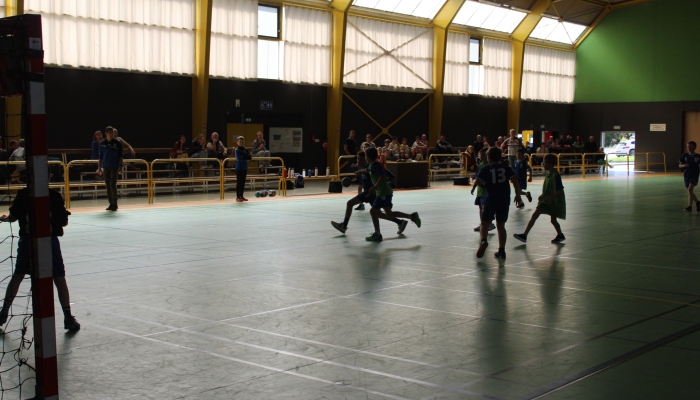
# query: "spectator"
[[478, 144], [485, 143], [197, 148], [404, 147], [469, 160], [368, 143], [96, 139], [577, 145], [419, 149], [443, 146], [19, 155], [260, 150], [216, 148], [591, 146], [242, 157], [125, 145], [499, 142], [512, 145], [394, 147], [109, 161], [350, 145], [181, 148]]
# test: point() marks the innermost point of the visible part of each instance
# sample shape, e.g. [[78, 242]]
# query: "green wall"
[[642, 53]]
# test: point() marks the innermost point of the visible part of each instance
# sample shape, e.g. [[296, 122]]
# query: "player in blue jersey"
[[495, 178], [690, 164], [521, 168], [362, 197]]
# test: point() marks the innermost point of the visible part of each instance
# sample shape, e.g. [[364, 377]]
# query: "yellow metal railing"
[[655, 163], [607, 161], [344, 174], [281, 188], [18, 186], [204, 179], [121, 182], [462, 169]]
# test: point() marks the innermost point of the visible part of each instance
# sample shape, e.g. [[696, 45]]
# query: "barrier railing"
[[655, 163], [124, 182], [344, 174], [204, 179], [17, 186], [431, 163], [279, 178], [616, 155]]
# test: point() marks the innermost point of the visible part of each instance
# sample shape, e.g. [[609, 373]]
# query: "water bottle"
[[303, 173], [292, 174], [328, 171], [316, 171]]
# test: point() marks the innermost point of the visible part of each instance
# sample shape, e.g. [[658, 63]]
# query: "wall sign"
[[657, 127], [266, 105]]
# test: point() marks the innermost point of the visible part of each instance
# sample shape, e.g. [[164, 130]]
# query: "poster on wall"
[[285, 140]]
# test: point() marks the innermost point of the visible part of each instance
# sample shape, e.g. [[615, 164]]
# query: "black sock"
[[66, 311], [501, 250]]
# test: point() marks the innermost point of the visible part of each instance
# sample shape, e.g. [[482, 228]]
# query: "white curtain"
[[137, 35], [3, 11], [497, 65], [307, 45], [457, 64], [476, 79], [549, 74], [234, 39], [387, 54]]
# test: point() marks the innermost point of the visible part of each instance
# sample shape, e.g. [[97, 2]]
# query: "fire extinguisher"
[[325, 146]]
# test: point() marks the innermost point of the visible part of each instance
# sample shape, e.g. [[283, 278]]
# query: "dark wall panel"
[[465, 117], [539, 116], [293, 106], [149, 110]]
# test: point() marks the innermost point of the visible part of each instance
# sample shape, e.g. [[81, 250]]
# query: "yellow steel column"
[[200, 82], [520, 35], [339, 10], [441, 23], [14, 7]]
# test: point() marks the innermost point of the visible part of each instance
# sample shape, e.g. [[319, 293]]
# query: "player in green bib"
[[552, 201], [384, 194]]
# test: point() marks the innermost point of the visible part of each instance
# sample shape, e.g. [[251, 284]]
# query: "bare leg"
[[484, 231], [691, 195], [530, 224], [376, 214], [62, 289], [348, 209], [501, 226], [11, 291], [556, 225]]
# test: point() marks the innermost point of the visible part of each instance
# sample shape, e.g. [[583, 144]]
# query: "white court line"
[[278, 370], [314, 359]]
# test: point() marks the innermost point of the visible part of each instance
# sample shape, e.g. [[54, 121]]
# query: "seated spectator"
[[404, 147], [419, 149], [443, 147], [259, 149], [126, 146], [216, 148], [367, 144], [394, 148], [181, 148], [485, 143], [197, 148], [19, 155], [96, 139], [469, 160]]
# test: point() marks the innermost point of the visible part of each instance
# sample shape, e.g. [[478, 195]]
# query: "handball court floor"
[[265, 300]]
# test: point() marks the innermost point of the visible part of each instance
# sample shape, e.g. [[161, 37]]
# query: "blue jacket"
[[242, 157], [110, 153], [95, 155]]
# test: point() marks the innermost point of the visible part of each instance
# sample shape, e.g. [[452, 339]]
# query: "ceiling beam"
[[530, 21]]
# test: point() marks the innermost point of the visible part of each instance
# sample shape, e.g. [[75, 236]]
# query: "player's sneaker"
[[477, 229], [529, 197], [521, 237], [339, 226], [558, 239], [239, 200], [482, 249], [244, 199], [374, 237], [687, 209], [416, 219], [697, 206], [500, 254], [520, 205], [70, 323], [361, 207], [402, 226], [492, 227]]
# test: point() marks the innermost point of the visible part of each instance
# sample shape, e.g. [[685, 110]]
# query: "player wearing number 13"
[[496, 178]]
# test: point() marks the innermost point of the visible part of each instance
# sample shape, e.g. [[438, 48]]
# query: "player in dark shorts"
[[495, 179], [59, 218], [521, 168], [690, 164], [363, 197]]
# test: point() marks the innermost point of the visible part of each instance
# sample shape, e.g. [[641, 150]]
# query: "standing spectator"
[[123, 142], [109, 161], [367, 144], [260, 149], [216, 148], [512, 145], [242, 158], [350, 146], [591, 147], [96, 139], [478, 144]]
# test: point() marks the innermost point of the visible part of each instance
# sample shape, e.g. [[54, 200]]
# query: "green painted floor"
[[265, 300]]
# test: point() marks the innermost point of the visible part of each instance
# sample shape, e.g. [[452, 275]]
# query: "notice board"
[[285, 140]]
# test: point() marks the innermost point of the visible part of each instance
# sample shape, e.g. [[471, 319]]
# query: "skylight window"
[[486, 16], [417, 8], [555, 31]]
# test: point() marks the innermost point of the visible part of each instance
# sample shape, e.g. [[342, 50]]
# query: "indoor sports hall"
[[190, 289]]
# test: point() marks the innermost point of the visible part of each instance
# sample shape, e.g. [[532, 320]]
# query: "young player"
[[552, 201], [521, 169], [494, 178], [59, 218], [690, 164], [242, 157], [481, 163], [363, 197], [382, 189], [361, 175]]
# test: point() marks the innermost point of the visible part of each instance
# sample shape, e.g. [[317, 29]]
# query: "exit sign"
[[266, 105]]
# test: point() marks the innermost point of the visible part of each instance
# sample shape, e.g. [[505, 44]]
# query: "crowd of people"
[[392, 150]]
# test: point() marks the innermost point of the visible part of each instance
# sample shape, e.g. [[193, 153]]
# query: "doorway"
[[691, 128]]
